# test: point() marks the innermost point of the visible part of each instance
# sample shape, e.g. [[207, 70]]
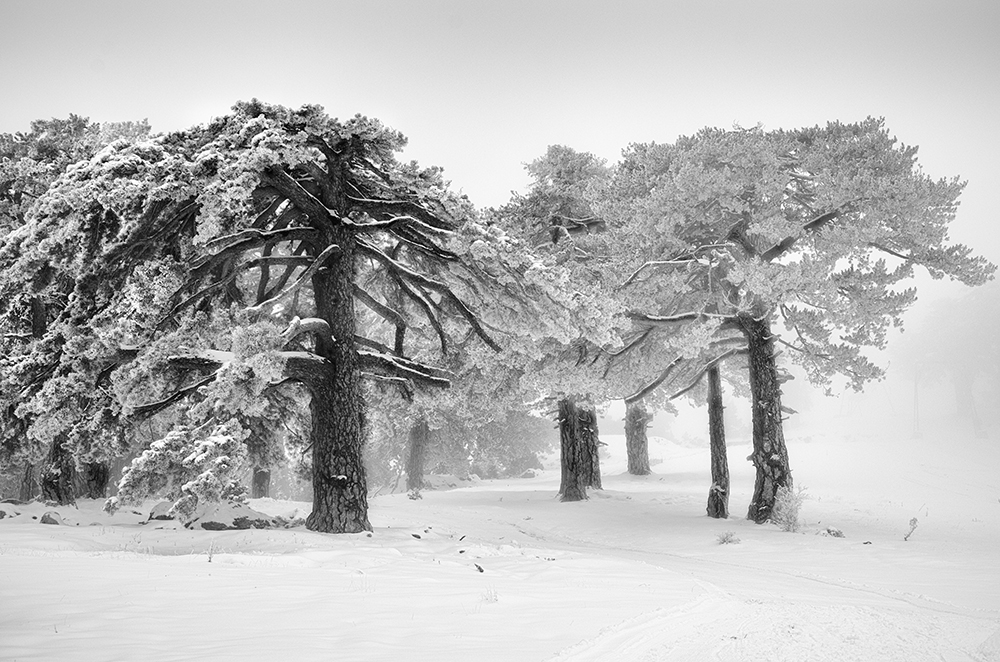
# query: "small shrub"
[[728, 538], [787, 503], [187, 467]]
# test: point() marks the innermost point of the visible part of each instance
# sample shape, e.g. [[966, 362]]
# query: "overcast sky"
[[480, 88]]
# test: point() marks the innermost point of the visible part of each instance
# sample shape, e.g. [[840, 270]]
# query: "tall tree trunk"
[[94, 480], [718, 494], [416, 454], [57, 475], [575, 458], [636, 442], [591, 443], [965, 401], [340, 492], [770, 456], [260, 484], [29, 486]]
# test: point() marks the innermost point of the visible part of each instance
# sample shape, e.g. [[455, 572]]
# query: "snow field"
[[501, 570]]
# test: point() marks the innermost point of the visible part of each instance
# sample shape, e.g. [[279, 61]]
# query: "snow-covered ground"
[[501, 570]]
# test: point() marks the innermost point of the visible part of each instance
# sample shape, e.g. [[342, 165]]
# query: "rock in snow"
[[51, 517], [161, 511], [222, 516]]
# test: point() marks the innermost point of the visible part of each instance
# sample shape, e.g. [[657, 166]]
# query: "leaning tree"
[[228, 259], [798, 238]]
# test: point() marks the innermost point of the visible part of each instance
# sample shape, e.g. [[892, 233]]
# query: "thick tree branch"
[[299, 196], [151, 408], [315, 325], [385, 312], [651, 386], [785, 244], [705, 368], [399, 367], [376, 208]]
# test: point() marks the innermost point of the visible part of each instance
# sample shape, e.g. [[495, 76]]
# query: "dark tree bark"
[[260, 484], [94, 479], [770, 456], [575, 458], [58, 475], [340, 492], [636, 442], [416, 454], [29, 486], [590, 440], [718, 494]]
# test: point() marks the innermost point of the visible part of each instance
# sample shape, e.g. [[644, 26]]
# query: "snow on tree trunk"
[[416, 453], [575, 458], [340, 491], [260, 484], [57, 475], [591, 444], [718, 494], [770, 456], [636, 443]]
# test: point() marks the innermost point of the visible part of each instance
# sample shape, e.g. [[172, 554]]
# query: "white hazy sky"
[[482, 87]]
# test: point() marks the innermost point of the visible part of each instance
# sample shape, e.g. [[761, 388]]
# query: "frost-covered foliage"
[[728, 538], [216, 266], [189, 467], [816, 229], [787, 503]]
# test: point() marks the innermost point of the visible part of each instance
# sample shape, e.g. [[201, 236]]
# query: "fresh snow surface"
[[501, 570]]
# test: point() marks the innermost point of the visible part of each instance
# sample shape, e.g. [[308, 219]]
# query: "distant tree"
[[808, 231], [188, 253], [955, 343], [556, 218]]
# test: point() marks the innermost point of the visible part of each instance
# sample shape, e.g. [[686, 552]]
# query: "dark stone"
[[51, 517]]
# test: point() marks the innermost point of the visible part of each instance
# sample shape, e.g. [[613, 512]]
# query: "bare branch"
[[379, 308], [300, 281], [404, 272]]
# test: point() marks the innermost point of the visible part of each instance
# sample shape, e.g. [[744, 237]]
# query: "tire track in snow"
[[716, 627]]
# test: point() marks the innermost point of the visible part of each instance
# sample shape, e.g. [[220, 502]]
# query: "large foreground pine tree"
[[232, 257]]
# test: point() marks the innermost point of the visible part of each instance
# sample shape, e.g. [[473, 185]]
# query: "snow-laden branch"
[[315, 325], [396, 366], [657, 263], [667, 320]]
